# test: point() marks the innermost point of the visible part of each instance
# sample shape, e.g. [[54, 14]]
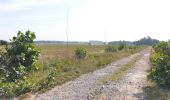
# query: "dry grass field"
[[49, 52]]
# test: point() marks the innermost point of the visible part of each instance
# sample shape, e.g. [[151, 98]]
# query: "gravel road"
[[88, 86], [130, 87]]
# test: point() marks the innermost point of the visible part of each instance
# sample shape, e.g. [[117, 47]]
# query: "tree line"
[[146, 41], [3, 42], [143, 41]]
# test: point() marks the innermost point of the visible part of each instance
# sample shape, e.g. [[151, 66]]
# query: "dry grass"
[[49, 52], [2, 48]]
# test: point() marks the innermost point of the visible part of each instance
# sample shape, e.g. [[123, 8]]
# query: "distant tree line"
[[121, 42], [3, 42], [143, 41], [146, 41]]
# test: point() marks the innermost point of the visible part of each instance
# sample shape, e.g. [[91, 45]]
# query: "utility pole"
[[104, 36], [67, 27]]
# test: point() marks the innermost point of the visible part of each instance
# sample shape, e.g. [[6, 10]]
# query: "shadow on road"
[[154, 92]]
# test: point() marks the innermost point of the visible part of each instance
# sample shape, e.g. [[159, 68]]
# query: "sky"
[[105, 20]]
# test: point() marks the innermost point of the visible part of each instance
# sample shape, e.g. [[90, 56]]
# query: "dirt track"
[[130, 87], [88, 86]]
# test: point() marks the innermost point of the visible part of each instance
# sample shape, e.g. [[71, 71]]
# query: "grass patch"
[[154, 92], [121, 71]]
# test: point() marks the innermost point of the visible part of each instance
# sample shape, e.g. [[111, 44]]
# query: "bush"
[[20, 56], [80, 53], [15, 63], [7, 90], [111, 49], [12, 89], [160, 60], [121, 46]]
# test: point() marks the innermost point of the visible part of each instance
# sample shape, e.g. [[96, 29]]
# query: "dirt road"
[[130, 87], [88, 86]]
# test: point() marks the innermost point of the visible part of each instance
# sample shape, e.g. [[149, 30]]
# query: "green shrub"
[[18, 59], [111, 48], [7, 90], [121, 46], [160, 60], [22, 87], [12, 89], [80, 53], [20, 56]]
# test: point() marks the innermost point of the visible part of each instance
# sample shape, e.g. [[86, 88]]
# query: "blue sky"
[[87, 20]]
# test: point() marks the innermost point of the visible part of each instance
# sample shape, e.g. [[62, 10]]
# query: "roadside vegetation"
[[160, 59], [16, 61], [160, 73], [24, 69]]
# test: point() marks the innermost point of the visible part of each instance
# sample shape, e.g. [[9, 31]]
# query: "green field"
[[57, 65]]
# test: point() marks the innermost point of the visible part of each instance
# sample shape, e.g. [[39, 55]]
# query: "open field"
[[60, 58], [49, 52], [90, 86], [58, 65]]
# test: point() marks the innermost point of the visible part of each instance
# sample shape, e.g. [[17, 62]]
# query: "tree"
[[146, 41]]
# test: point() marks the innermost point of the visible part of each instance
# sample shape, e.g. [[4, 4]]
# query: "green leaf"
[[33, 36], [19, 33]]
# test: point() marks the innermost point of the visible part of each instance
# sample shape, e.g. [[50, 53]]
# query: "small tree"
[[20, 56]]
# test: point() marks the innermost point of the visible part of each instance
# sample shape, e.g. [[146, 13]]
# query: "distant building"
[[92, 42]]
